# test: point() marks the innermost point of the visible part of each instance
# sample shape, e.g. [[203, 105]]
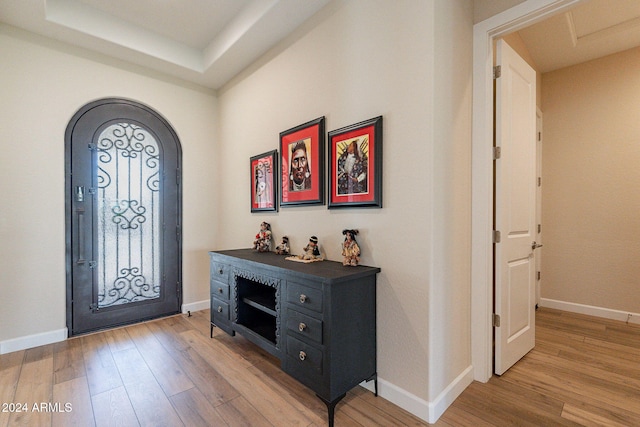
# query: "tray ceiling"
[[203, 41], [208, 42]]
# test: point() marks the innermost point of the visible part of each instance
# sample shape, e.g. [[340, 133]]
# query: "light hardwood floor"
[[583, 371]]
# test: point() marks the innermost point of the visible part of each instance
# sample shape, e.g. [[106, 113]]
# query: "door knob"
[[535, 246]]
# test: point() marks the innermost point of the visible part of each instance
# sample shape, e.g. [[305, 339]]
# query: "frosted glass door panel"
[[128, 212]]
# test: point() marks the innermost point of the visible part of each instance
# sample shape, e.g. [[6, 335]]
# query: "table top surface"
[[324, 269]]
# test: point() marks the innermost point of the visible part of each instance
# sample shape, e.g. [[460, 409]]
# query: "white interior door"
[[515, 210], [538, 253]]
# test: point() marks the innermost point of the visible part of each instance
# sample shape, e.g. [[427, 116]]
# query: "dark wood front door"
[[123, 218]]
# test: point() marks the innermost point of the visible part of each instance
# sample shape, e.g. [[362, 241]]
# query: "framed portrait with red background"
[[264, 175], [302, 153], [355, 165]]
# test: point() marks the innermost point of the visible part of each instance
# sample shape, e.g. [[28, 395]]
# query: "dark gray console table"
[[319, 319]]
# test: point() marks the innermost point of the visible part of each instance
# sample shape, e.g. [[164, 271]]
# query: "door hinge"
[[539, 181], [539, 228], [539, 275], [496, 236], [178, 233], [497, 72], [497, 152], [178, 177], [539, 136], [496, 320]]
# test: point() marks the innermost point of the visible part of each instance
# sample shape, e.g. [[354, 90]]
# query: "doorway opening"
[[123, 216], [482, 261]]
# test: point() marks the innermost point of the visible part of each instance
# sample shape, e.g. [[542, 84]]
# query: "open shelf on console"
[[256, 304]]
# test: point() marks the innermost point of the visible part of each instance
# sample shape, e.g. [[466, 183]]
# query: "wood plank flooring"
[[168, 372], [583, 371]]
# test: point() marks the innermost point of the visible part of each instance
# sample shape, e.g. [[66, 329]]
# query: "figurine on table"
[[283, 248], [262, 243], [311, 251], [350, 248]]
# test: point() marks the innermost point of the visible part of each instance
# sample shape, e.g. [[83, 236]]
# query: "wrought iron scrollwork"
[[127, 162], [128, 214], [129, 286]]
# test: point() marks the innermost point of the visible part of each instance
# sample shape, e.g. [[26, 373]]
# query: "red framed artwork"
[[355, 165], [302, 153], [264, 168]]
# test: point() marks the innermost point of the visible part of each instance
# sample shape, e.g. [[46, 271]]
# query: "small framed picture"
[[264, 169], [302, 152], [355, 165]]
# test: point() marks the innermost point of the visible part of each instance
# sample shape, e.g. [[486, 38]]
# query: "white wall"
[[483, 9], [450, 298], [408, 61], [411, 63], [42, 84], [590, 191]]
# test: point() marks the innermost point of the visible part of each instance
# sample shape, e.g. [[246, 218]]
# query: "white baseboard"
[[195, 306], [427, 411], [591, 310], [30, 341], [449, 394]]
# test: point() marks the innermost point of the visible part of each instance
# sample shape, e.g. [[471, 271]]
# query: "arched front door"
[[123, 216]]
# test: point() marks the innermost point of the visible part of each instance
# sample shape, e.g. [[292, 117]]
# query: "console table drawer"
[[304, 296], [307, 359], [304, 325], [220, 272], [219, 310], [220, 290]]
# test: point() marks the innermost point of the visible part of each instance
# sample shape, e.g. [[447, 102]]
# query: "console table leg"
[[331, 407], [211, 330], [374, 378]]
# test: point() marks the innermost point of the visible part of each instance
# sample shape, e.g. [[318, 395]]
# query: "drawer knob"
[[302, 355], [220, 271], [302, 327], [219, 290], [303, 298], [219, 309]]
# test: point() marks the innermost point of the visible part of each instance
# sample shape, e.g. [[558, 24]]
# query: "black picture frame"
[[355, 179], [305, 186], [264, 182]]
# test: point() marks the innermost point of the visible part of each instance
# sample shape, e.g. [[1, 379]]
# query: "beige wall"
[[365, 59], [450, 296], [484, 9], [43, 84], [590, 196], [407, 61]]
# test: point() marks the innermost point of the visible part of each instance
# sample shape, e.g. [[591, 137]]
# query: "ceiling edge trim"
[[87, 20]]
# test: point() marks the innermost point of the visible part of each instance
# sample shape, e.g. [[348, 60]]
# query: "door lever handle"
[[535, 246], [79, 193]]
